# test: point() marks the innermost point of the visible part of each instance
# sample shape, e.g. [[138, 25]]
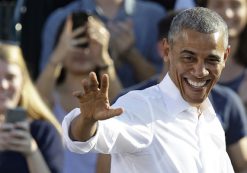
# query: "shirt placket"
[[198, 119]]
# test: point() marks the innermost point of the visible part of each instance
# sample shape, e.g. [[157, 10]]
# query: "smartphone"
[[80, 19], [16, 115]]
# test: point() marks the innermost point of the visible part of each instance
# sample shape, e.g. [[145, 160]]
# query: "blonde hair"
[[30, 98]]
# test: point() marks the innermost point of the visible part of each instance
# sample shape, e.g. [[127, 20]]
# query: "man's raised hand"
[[94, 101], [94, 105]]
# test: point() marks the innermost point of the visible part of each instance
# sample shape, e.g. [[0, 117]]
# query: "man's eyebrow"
[[188, 52]]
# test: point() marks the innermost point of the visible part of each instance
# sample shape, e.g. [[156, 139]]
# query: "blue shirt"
[[227, 105], [49, 143], [236, 82], [145, 16]]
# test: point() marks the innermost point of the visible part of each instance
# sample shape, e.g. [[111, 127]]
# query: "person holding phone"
[[30, 140], [81, 47], [132, 29]]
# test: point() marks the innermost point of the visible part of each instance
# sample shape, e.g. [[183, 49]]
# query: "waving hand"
[[94, 106]]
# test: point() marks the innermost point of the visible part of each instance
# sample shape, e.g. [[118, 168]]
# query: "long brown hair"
[[30, 98]]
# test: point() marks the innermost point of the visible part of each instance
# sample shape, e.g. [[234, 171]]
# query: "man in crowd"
[[170, 127]]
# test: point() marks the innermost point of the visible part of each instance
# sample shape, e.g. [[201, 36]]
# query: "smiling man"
[[170, 127], [196, 58]]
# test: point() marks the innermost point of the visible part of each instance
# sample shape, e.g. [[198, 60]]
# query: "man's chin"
[[195, 101], [195, 104]]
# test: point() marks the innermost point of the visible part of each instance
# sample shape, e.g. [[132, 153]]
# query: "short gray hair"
[[199, 19]]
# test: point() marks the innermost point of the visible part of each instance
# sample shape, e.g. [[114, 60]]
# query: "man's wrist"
[[75, 129]]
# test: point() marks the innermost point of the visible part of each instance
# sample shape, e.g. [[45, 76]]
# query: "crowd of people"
[[134, 86]]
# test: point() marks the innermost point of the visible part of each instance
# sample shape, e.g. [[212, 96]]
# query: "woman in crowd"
[[33, 145], [76, 62]]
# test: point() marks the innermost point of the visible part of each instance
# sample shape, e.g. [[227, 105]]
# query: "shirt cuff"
[[76, 146]]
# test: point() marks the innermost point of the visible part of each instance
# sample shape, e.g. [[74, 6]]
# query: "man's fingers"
[[116, 112], [109, 114], [85, 86], [104, 84], [91, 85], [88, 85], [94, 84]]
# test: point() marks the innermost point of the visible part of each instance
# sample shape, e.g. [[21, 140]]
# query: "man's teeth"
[[196, 84]]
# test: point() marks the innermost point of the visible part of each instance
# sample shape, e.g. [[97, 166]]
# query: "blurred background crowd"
[[47, 47]]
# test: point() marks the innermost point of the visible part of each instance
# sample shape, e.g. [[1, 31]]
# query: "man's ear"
[[227, 52], [166, 49], [160, 48]]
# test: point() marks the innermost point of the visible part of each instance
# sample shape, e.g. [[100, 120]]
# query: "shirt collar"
[[175, 102], [208, 110]]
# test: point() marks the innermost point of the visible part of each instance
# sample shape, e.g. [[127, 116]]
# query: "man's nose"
[[200, 70]]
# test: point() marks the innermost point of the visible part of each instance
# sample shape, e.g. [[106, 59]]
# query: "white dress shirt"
[[158, 132]]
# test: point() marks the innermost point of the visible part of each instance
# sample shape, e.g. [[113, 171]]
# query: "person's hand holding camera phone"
[[73, 39], [15, 133], [83, 35], [98, 42], [80, 19]]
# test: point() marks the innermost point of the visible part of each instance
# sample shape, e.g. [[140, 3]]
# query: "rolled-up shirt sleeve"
[[76, 146], [128, 133]]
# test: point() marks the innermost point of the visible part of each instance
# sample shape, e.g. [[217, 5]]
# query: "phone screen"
[[80, 19], [16, 115]]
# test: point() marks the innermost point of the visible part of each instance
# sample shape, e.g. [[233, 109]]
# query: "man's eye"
[[188, 58], [213, 60]]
